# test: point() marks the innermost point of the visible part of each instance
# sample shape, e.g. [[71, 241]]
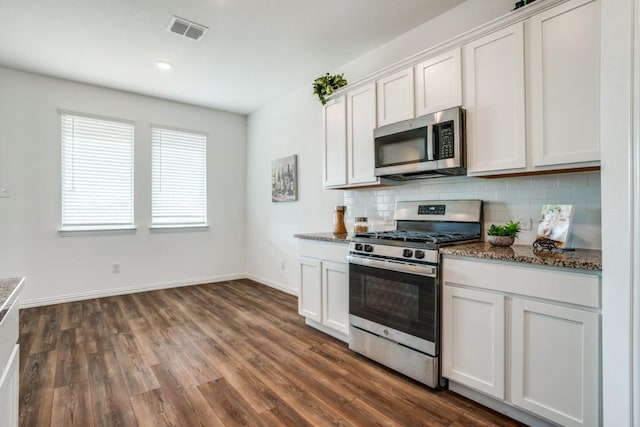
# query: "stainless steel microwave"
[[425, 147]]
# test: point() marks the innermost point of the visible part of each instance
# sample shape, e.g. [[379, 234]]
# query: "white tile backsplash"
[[504, 199]]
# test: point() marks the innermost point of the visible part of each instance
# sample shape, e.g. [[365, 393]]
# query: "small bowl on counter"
[[504, 241]]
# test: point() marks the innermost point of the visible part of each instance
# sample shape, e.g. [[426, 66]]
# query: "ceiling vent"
[[189, 29]]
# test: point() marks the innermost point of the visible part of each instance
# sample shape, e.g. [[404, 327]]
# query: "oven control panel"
[[431, 209], [413, 253], [397, 253], [362, 247]]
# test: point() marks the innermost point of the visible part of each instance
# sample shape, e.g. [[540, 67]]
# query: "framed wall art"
[[284, 179]]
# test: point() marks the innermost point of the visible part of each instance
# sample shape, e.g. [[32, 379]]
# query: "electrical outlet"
[[525, 223], [282, 265], [115, 267], [4, 192]]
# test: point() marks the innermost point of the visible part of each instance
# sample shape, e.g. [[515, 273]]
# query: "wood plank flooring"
[[223, 354]]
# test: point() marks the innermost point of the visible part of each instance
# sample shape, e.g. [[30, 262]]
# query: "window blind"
[[179, 178], [97, 173]]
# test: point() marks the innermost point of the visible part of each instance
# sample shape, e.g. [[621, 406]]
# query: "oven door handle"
[[422, 270]]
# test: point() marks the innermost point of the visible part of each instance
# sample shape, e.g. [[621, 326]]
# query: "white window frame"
[[70, 145], [159, 207]]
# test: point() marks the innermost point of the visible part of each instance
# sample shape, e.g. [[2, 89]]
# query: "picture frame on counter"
[[555, 224]]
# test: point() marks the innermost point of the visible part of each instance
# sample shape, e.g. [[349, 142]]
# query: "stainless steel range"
[[395, 289]]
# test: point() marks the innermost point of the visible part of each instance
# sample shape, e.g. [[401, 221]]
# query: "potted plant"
[[325, 85], [503, 235]]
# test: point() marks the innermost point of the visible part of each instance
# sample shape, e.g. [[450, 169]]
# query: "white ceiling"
[[253, 51]]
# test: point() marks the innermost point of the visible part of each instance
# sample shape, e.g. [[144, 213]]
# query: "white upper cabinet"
[[438, 83], [531, 91], [335, 143], [349, 121], [395, 97], [556, 54], [563, 52], [494, 93], [361, 121]]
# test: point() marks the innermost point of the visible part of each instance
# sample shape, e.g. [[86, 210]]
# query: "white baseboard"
[[496, 405], [272, 284], [58, 299], [328, 331]]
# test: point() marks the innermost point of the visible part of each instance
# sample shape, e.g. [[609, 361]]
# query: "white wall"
[[292, 124], [66, 267]]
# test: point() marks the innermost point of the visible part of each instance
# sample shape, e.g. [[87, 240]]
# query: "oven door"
[[398, 305]]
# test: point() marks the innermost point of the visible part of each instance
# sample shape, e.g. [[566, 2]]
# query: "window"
[[179, 178], [97, 173]]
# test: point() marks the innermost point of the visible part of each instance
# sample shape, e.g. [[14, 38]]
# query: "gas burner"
[[418, 236]]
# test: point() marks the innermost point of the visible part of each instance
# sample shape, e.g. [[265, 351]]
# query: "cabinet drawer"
[[538, 282], [336, 252]]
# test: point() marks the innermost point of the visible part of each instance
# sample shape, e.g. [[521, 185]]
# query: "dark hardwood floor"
[[232, 353]]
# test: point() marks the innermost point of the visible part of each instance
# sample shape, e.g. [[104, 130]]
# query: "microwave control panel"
[[444, 139]]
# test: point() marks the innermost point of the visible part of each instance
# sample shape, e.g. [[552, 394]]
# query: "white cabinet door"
[[335, 296], [395, 97], [555, 362], [335, 143], [473, 339], [361, 121], [563, 48], [439, 83], [493, 70], [9, 390], [310, 286]]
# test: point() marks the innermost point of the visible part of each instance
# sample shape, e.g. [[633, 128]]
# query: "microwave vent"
[[186, 28]]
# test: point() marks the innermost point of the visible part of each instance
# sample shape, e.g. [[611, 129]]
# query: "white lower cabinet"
[[9, 390], [335, 296], [528, 337], [310, 296], [473, 323], [555, 362], [324, 287], [9, 365]]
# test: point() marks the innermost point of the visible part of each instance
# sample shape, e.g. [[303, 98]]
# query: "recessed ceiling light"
[[164, 65]]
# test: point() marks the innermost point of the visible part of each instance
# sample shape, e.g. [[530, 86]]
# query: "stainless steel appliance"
[[395, 289], [425, 147]]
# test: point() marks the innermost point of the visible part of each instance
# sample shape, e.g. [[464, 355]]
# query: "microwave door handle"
[[430, 143]]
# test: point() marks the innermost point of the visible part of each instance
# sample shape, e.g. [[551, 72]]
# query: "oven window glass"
[[402, 301]]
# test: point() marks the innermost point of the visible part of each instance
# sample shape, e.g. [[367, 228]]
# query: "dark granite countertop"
[[325, 237], [582, 259], [9, 291]]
